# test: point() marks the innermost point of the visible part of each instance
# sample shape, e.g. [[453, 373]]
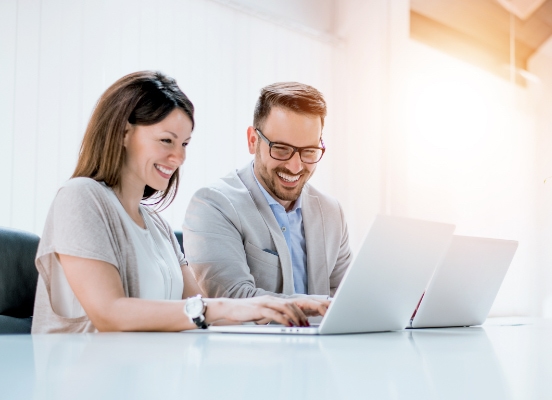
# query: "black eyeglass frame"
[[295, 149]]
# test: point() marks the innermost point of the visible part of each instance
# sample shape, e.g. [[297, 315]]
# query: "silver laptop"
[[383, 283], [465, 284]]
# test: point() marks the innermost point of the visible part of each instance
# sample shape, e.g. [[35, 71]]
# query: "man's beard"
[[269, 179]]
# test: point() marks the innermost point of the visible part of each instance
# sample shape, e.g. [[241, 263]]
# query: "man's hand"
[[312, 307]]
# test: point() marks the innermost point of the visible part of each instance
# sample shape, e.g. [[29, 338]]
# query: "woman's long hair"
[[140, 98]]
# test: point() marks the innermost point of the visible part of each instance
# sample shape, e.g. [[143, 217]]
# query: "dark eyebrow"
[[176, 136]]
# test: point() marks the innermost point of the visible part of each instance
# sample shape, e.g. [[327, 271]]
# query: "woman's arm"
[[97, 285], [191, 288]]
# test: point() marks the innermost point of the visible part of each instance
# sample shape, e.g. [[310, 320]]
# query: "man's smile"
[[287, 177]]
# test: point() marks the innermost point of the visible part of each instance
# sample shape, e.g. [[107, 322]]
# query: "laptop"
[[383, 283], [465, 284]]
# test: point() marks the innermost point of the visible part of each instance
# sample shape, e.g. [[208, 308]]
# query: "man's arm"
[[214, 247], [344, 257]]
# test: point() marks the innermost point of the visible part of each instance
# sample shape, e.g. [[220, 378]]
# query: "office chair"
[[18, 278], [178, 235]]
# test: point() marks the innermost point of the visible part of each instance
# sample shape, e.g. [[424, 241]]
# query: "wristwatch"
[[195, 310]]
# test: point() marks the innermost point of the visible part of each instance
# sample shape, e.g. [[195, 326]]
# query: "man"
[[263, 229]]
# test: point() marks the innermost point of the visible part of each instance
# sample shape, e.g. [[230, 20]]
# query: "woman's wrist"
[[215, 310]]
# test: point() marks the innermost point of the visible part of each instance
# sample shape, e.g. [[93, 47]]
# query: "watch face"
[[194, 307]]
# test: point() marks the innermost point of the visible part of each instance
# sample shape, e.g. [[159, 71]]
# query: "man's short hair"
[[294, 96]]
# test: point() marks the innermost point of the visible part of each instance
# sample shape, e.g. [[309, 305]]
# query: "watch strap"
[[200, 322]]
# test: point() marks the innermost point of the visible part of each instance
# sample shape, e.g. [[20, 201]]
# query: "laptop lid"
[[384, 281], [387, 276], [465, 284]]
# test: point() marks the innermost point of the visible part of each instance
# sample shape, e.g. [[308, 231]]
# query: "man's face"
[[284, 180]]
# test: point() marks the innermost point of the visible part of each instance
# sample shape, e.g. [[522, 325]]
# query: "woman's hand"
[[287, 312]]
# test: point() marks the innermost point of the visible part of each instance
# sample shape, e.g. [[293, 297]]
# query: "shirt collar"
[[270, 199]]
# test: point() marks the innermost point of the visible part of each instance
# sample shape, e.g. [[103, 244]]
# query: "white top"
[[158, 267]]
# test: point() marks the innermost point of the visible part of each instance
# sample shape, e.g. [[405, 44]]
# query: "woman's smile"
[[165, 172]]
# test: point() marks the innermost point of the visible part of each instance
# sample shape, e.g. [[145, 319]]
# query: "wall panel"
[[8, 50], [129, 36], [49, 105], [148, 34], [541, 65], [27, 62], [95, 56], [244, 95], [190, 72], [72, 122]]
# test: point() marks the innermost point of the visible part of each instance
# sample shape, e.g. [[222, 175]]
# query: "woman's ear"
[[129, 128]]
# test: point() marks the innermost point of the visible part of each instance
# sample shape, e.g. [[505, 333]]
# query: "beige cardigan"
[[83, 222]]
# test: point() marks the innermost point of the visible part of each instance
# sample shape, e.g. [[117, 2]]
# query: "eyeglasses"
[[284, 152]]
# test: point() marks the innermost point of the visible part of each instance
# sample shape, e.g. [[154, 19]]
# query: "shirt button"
[[283, 228]]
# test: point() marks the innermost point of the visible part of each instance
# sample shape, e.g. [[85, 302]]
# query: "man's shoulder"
[[229, 187], [324, 198], [228, 196]]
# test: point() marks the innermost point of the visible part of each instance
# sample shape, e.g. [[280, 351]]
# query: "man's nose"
[[294, 164]]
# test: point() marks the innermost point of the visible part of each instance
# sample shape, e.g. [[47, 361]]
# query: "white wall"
[[58, 56], [316, 15], [541, 100], [428, 136], [470, 160], [369, 81]]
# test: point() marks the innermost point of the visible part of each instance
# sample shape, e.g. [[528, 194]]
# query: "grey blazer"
[[235, 247]]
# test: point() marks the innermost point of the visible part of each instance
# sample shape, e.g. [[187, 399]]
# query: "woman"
[[107, 262]]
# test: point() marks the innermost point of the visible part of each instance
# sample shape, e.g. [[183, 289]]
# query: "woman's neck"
[[130, 196]]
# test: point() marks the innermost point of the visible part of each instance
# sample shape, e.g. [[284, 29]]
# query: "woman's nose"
[[180, 154]]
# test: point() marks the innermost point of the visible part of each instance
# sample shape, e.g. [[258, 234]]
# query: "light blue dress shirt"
[[291, 224]]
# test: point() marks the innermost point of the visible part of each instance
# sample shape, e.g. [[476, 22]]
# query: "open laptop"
[[465, 284], [383, 283]]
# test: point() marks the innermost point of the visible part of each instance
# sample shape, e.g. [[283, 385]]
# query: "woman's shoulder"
[[82, 182], [81, 194], [83, 187]]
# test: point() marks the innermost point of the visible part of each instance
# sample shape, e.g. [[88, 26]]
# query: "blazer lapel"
[[246, 176], [313, 223]]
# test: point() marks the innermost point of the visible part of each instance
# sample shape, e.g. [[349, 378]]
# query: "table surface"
[[503, 359]]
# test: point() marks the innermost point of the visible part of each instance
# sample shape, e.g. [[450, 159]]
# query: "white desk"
[[496, 361]]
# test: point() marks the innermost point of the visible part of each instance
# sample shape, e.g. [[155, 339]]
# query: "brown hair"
[[140, 98], [294, 96]]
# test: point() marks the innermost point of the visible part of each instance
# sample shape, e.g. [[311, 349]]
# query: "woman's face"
[[154, 152]]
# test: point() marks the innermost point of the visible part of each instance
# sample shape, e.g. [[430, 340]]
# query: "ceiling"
[[478, 31]]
